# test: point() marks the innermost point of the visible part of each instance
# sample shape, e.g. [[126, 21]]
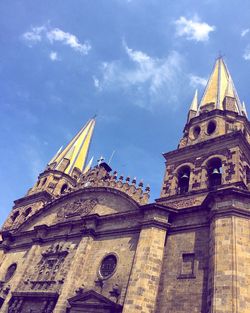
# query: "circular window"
[[108, 266], [10, 271], [211, 127], [196, 131]]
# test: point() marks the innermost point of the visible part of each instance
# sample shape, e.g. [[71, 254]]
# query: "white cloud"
[[245, 32], [96, 82], [193, 29], [246, 54], [53, 56], [151, 79], [196, 81], [37, 34], [71, 40]]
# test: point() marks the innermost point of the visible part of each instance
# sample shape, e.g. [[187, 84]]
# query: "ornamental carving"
[[184, 203], [79, 207], [49, 271]]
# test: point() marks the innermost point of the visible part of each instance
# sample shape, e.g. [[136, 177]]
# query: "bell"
[[216, 171], [184, 177]]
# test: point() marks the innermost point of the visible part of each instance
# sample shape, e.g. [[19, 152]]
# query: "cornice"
[[225, 113], [42, 195], [59, 173], [213, 142]]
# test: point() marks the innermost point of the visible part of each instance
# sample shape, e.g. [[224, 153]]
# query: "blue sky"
[[136, 64]]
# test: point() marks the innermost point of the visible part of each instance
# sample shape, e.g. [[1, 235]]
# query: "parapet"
[[100, 176]]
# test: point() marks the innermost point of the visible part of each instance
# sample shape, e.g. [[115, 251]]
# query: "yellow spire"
[[76, 152], [194, 104], [88, 166], [220, 84], [55, 156], [244, 109], [230, 89]]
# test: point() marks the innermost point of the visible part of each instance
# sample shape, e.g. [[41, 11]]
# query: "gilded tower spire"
[[76, 152], [244, 109], [194, 106], [219, 86]]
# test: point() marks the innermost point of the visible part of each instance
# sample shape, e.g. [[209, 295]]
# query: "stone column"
[[145, 276], [229, 264], [75, 277]]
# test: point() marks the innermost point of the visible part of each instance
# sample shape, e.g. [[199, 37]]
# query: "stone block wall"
[[145, 276], [229, 276], [183, 286]]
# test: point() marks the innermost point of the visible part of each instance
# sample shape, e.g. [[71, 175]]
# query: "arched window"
[[44, 181], [10, 272], [214, 171], [27, 211], [64, 188], [183, 179], [14, 216]]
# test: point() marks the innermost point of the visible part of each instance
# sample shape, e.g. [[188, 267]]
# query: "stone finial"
[[134, 181], [141, 183]]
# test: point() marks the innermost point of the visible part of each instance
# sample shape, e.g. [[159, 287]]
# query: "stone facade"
[[91, 242]]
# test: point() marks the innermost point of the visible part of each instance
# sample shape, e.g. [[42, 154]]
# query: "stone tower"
[[87, 240], [60, 175], [207, 182]]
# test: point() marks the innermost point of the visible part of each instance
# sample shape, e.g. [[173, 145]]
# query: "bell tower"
[[214, 149], [206, 185], [59, 176]]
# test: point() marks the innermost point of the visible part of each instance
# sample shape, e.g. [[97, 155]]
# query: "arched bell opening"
[[64, 188], [14, 216], [183, 179], [214, 171], [27, 212]]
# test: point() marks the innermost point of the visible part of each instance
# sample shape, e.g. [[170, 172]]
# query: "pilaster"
[[75, 277], [144, 280], [229, 272]]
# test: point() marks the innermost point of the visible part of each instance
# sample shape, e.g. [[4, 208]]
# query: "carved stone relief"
[[48, 273], [31, 302], [79, 207], [178, 204]]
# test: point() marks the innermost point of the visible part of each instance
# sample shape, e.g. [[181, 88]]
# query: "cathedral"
[[85, 239]]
